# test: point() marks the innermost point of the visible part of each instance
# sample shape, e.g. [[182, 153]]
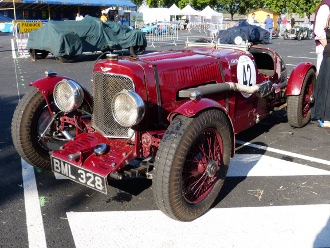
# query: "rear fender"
[[297, 77], [193, 107], [46, 87]]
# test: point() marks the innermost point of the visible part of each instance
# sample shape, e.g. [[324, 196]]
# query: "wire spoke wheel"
[[191, 164], [201, 169]]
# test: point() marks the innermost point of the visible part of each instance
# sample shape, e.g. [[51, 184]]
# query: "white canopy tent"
[[209, 14], [174, 10], [193, 14], [188, 10], [155, 14]]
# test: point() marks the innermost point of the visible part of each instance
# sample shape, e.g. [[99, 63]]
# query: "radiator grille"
[[105, 86]]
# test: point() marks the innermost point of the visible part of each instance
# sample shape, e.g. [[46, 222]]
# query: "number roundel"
[[246, 72]]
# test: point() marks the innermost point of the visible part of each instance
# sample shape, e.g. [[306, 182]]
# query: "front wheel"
[[300, 107], [38, 54], [299, 35], [286, 35], [192, 164], [33, 132]]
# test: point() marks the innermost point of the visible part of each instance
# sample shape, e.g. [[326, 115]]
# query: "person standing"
[[269, 26], [79, 17], [293, 22], [279, 22], [103, 18], [321, 108], [320, 23], [251, 19]]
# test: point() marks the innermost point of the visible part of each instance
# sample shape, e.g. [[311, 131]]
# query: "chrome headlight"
[[68, 95], [127, 108]]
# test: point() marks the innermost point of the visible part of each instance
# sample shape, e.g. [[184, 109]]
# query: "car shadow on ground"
[[247, 136]]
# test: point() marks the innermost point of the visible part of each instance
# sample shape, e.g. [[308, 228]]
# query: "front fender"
[[297, 78], [46, 87], [193, 107]]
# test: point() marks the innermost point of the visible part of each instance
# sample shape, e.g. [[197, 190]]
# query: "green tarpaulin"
[[88, 35]]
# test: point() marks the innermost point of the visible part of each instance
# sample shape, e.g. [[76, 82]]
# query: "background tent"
[[151, 15], [211, 15], [194, 15], [174, 10], [188, 10]]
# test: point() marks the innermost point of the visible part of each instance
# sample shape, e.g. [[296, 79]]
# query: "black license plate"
[[79, 175]]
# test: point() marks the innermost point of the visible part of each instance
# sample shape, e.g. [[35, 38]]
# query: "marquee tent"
[[210, 15], [174, 10], [188, 10], [208, 12]]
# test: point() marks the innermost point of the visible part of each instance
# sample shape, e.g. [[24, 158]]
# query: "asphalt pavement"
[[277, 193]]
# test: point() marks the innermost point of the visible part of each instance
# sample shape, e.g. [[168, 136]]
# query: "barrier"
[[164, 32], [21, 31]]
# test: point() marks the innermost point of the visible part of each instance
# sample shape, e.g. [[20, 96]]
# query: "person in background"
[[79, 17], [279, 22], [320, 24], [251, 19], [293, 22], [321, 108], [103, 17], [269, 26]]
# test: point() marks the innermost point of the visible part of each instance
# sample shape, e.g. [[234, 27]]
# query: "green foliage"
[[301, 7]]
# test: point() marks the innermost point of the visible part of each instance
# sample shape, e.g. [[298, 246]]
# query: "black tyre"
[[286, 35], [299, 35], [191, 164], [136, 50], [67, 58], [38, 54], [300, 107], [30, 120]]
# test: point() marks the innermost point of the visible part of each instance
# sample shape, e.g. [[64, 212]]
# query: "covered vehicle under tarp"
[[70, 38], [250, 33]]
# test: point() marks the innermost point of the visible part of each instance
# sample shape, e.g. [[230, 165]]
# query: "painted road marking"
[[35, 226], [291, 154], [284, 226], [288, 224], [301, 57], [243, 165]]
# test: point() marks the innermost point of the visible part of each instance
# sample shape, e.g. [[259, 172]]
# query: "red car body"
[[239, 86]]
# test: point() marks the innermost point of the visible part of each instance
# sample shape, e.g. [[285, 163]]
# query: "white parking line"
[[301, 57], [286, 226], [35, 226], [256, 165], [291, 154]]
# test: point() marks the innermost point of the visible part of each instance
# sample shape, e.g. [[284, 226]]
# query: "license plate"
[[79, 175]]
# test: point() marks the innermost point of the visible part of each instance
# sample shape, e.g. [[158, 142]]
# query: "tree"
[[232, 6], [305, 7], [278, 6]]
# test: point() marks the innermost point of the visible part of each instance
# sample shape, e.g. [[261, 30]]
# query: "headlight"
[[127, 108], [68, 95], [238, 40]]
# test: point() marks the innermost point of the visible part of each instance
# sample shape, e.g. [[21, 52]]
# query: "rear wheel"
[[67, 58], [38, 54], [137, 50], [191, 164], [300, 107]]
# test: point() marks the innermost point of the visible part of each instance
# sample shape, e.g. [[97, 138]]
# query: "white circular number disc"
[[246, 72]]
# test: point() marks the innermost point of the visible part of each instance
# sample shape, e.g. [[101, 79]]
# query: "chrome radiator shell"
[[105, 87]]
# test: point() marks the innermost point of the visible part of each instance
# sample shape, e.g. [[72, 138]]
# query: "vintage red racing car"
[[168, 116]]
